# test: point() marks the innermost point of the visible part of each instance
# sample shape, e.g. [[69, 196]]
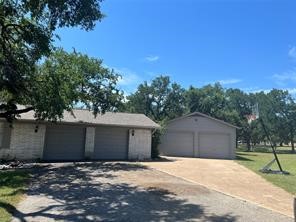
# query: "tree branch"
[[9, 113]]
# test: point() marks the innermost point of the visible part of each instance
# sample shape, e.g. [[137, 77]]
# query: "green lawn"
[[12, 185], [256, 160]]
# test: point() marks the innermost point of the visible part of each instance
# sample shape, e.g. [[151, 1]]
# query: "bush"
[[155, 142]]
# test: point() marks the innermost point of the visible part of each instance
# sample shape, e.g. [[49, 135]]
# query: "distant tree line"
[[163, 100]]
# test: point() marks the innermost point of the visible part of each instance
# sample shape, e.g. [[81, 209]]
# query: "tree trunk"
[[249, 148], [292, 139]]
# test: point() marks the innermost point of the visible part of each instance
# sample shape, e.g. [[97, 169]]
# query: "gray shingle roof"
[[109, 118]]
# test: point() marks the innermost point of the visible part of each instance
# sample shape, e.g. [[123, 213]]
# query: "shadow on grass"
[[278, 151], [239, 157], [246, 153], [92, 192], [13, 178], [256, 153], [267, 150]]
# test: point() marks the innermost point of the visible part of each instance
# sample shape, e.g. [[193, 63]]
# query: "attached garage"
[[79, 136], [199, 135], [111, 143], [64, 142]]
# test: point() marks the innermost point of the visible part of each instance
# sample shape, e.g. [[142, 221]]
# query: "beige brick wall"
[[25, 143], [139, 144], [89, 142]]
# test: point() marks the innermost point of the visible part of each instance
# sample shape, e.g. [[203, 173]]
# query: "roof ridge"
[[89, 110]]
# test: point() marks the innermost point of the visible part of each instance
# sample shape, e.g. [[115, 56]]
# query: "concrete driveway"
[[118, 191], [230, 178]]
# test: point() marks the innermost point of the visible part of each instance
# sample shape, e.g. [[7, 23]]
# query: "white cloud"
[[222, 82], [252, 89], [292, 91], [229, 81], [292, 52], [128, 77], [260, 90], [152, 74], [129, 80], [284, 78], [152, 58]]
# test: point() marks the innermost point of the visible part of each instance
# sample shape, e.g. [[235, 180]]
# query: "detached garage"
[[78, 136], [199, 135]]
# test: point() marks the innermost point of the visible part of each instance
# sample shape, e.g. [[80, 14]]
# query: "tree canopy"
[[68, 79], [27, 33], [159, 100]]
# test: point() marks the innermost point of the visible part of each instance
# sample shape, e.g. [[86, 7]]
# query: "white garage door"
[[177, 144], [214, 145]]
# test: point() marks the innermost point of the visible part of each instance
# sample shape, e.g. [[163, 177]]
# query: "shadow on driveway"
[[94, 192]]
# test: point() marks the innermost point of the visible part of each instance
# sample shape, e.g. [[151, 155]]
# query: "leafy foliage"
[[161, 100], [278, 110], [209, 100], [66, 79], [26, 36]]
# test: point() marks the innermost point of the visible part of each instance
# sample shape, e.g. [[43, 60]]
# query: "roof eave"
[[91, 124]]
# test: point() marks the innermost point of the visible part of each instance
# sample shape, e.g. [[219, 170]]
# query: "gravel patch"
[[16, 164]]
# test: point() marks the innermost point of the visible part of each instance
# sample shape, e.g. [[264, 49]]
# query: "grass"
[[12, 187], [256, 160]]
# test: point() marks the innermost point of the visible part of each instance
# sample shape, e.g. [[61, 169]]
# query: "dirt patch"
[[155, 179]]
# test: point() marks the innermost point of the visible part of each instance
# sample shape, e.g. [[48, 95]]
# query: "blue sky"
[[246, 44]]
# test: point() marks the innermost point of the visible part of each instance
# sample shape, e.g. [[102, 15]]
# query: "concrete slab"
[[230, 178]]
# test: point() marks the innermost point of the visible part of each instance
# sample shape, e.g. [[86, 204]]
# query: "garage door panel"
[[64, 142], [177, 144], [111, 143], [214, 145]]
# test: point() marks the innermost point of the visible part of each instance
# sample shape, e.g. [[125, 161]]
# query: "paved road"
[[128, 192], [229, 177]]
